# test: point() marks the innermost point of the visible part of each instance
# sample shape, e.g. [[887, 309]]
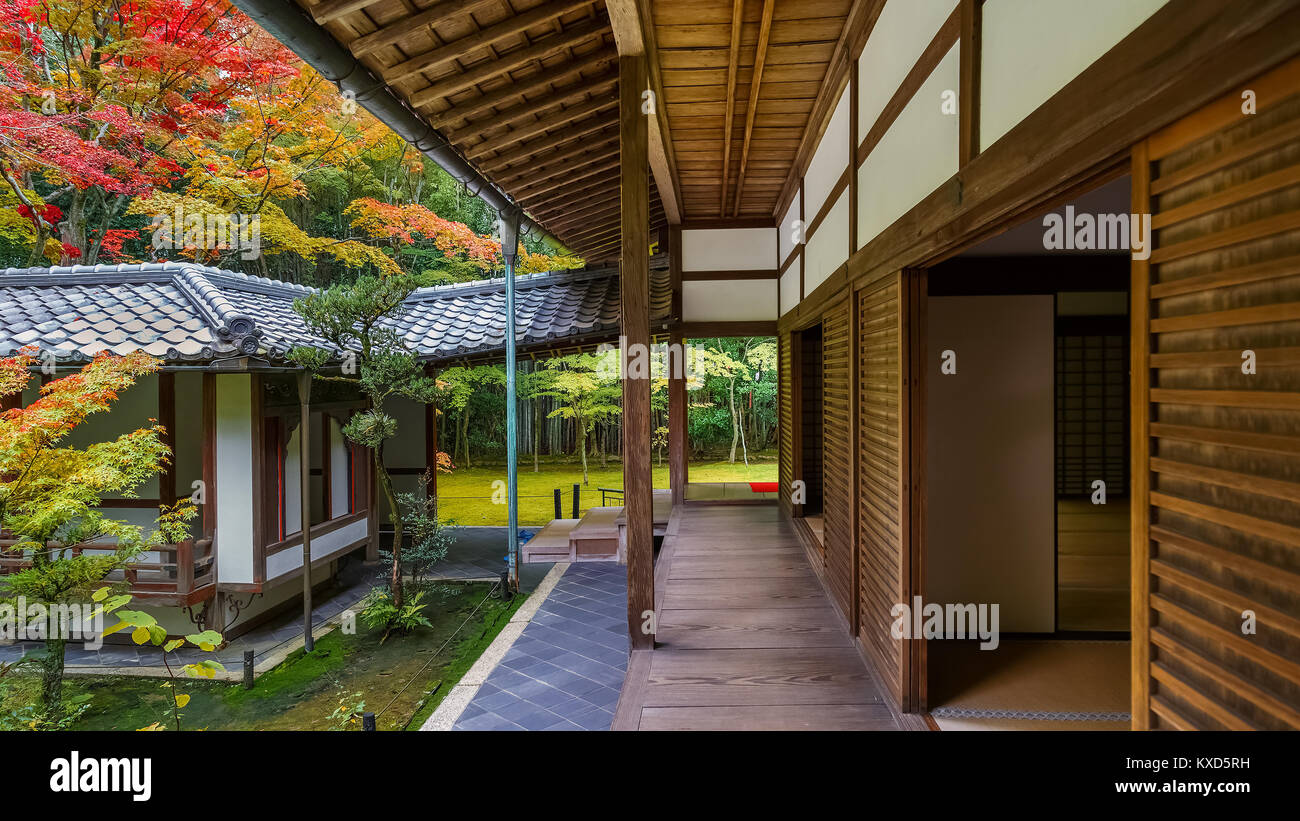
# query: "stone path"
[[566, 669]]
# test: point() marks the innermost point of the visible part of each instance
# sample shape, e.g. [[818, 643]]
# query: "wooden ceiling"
[[527, 91], [741, 80]]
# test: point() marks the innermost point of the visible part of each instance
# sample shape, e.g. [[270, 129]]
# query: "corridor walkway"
[[746, 639]]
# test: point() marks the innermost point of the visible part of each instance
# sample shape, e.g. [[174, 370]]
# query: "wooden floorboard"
[[746, 636]]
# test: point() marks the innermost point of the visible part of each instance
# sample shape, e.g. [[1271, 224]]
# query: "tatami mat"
[[1030, 684]]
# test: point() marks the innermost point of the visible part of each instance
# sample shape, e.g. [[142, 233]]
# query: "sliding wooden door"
[[1216, 416], [886, 346], [837, 455]]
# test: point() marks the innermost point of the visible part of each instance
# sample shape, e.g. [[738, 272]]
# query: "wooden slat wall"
[[837, 458], [882, 512], [785, 441], [1217, 518]]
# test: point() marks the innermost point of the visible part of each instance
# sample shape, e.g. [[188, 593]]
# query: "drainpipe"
[[509, 250], [291, 25]]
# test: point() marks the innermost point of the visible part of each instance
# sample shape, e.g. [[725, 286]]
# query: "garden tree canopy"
[[50, 493], [114, 116], [348, 317], [581, 382]]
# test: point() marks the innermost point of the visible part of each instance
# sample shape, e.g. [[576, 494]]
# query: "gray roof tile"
[[189, 313]]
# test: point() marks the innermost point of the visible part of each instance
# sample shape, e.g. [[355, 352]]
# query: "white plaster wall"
[[729, 249], [292, 483], [786, 234], [339, 457], [916, 155], [289, 560], [234, 478], [133, 409], [828, 249], [1032, 48], [790, 295], [901, 33], [732, 300], [829, 160]]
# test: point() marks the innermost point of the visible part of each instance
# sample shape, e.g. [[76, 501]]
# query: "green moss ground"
[[301, 692]]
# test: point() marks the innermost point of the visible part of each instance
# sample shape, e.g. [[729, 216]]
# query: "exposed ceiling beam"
[[486, 70], [596, 187], [405, 26], [550, 143], [634, 34], [566, 217], [530, 108], [733, 57], [760, 57], [561, 179], [459, 49], [558, 119], [516, 88], [334, 9], [582, 153]]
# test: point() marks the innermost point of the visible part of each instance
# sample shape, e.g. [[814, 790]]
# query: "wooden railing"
[[184, 574]]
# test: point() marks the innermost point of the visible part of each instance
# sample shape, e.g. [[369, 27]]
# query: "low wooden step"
[[596, 536], [551, 544]]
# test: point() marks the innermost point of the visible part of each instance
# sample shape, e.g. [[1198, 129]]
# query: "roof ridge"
[[532, 280]]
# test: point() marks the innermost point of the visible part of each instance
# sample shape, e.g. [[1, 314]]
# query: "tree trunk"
[[537, 430], [52, 678], [465, 434], [735, 426], [395, 517], [582, 448]]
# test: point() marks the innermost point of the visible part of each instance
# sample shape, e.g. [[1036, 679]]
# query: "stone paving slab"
[[566, 669]]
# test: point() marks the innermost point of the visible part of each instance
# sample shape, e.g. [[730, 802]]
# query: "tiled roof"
[[184, 312]]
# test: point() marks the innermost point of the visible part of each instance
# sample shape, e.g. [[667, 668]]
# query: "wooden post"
[[209, 494], [677, 467], [431, 443], [968, 95], [167, 418], [634, 191], [304, 495]]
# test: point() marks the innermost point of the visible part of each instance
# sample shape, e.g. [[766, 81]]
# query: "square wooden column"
[[634, 196]]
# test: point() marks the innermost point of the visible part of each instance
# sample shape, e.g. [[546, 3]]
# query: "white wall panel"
[[234, 478], [916, 155], [827, 249], [1032, 48], [732, 300], [901, 33], [790, 295], [786, 233], [829, 160], [729, 249]]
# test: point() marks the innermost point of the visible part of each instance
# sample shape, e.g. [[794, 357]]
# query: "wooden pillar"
[[968, 95], [678, 473], [304, 501], [167, 418], [209, 495], [634, 192], [431, 443]]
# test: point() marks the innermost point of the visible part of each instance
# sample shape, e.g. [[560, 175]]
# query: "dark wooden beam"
[[635, 278], [755, 85], [530, 108], [968, 95], [407, 25], [566, 178], [547, 46], [558, 119], [532, 148], [459, 49], [733, 57], [602, 145], [513, 89]]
